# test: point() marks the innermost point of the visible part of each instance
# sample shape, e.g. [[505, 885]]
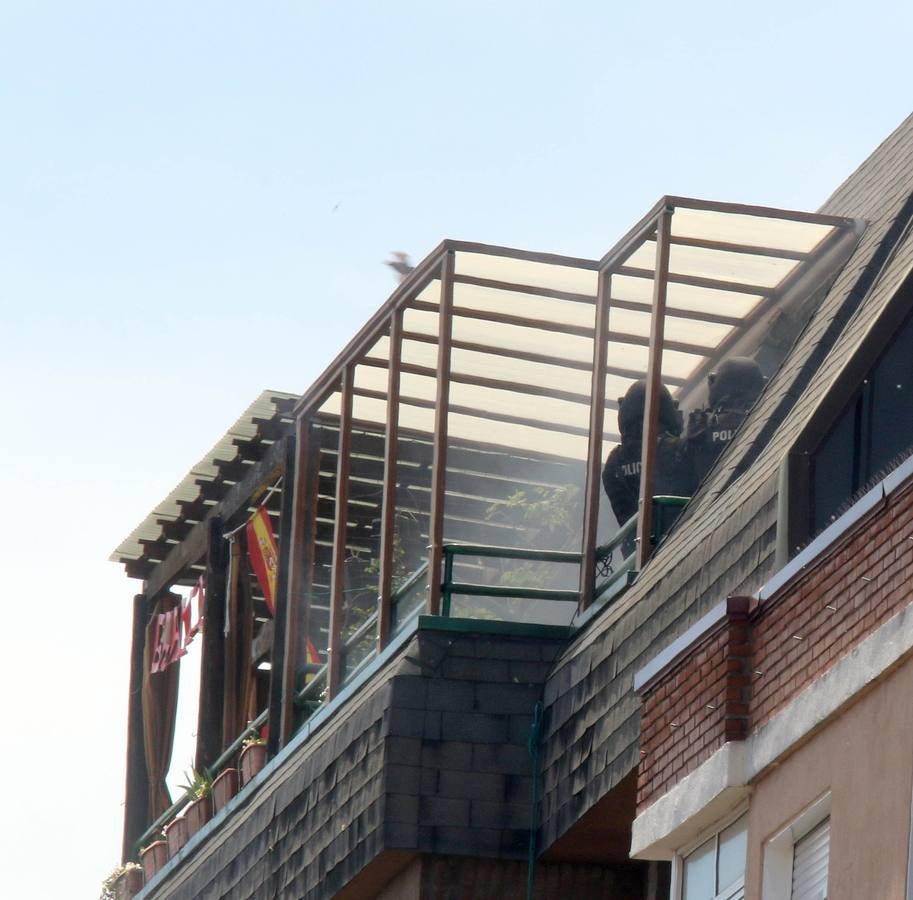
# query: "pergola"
[[476, 406]]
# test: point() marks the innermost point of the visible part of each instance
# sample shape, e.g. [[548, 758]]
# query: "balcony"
[[442, 476]]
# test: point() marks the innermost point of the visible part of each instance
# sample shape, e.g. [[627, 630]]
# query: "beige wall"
[[865, 759], [406, 886]]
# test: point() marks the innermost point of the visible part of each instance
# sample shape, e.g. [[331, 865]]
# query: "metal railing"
[[311, 696], [449, 587]]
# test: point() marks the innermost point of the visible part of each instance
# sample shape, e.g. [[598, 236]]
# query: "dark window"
[[874, 431]]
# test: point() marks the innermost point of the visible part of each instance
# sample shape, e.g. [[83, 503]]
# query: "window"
[[796, 860], [872, 431], [715, 869], [810, 857]]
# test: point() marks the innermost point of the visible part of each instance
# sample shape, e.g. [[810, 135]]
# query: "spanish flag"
[[264, 555]]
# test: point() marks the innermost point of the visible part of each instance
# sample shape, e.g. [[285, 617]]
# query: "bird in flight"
[[400, 264]]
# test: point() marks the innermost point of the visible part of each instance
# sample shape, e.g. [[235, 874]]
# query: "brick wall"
[[801, 633], [740, 673], [692, 709]]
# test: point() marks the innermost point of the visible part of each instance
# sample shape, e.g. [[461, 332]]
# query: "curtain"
[[160, 702], [239, 634]]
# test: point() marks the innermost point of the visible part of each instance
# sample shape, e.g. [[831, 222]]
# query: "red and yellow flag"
[[264, 555]]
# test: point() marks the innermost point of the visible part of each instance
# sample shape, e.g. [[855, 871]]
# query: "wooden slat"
[[339, 536], [593, 487], [439, 464], [193, 548], [286, 620], [654, 374], [391, 454], [212, 658]]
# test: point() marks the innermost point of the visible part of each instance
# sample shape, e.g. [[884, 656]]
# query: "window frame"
[[778, 851], [712, 832], [795, 478]]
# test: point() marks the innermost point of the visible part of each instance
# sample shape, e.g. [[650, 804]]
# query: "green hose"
[[532, 745]]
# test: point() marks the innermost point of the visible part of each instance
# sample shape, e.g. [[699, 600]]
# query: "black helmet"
[[631, 411], [736, 383]]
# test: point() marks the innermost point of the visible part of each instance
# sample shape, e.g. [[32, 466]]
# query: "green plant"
[[198, 784], [542, 518], [153, 838], [109, 885], [255, 740]]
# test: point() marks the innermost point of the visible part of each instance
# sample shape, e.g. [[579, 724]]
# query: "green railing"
[[449, 587], [310, 697]]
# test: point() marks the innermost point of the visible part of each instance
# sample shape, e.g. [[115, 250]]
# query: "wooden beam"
[[748, 249], [564, 362], [713, 284], [233, 469], [283, 617], [654, 383], [212, 659], [301, 561], [593, 487], [439, 463], [337, 588], [763, 212], [193, 548], [391, 455]]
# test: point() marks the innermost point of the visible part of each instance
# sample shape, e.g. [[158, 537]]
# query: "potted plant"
[[124, 883], [253, 758], [199, 812], [154, 855], [224, 787], [176, 835]]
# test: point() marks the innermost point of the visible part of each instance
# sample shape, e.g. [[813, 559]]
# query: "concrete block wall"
[[458, 774]]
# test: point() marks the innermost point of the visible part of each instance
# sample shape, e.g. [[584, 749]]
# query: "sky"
[[196, 200]]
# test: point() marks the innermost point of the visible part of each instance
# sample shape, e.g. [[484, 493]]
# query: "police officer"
[[621, 475], [732, 391]]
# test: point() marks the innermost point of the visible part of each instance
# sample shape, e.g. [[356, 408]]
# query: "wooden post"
[[594, 448], [654, 381], [301, 559], [212, 662], [442, 408], [337, 578], [277, 663], [391, 453], [136, 793]]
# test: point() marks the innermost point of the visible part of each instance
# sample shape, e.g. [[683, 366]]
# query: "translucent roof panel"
[[521, 270], [522, 324], [724, 224], [728, 265]]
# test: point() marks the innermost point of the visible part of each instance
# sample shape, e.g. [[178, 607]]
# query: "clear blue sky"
[[195, 202]]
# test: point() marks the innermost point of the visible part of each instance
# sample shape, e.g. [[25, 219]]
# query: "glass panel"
[[698, 882], [871, 436], [517, 430], [567, 278], [733, 851], [835, 468], [686, 297], [362, 563], [530, 306], [741, 268], [891, 402], [325, 434], [497, 336], [413, 479], [754, 231], [431, 293]]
